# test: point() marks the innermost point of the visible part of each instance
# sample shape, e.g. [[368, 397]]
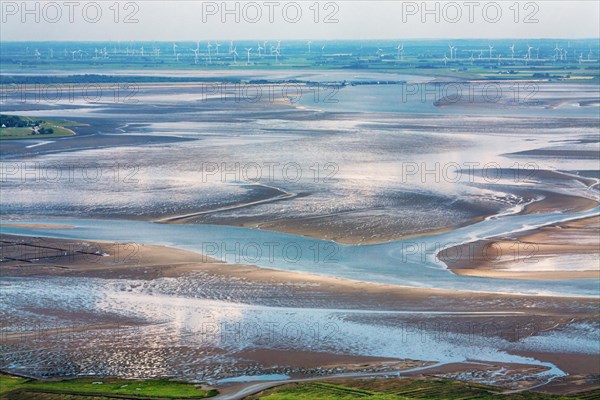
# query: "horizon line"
[[296, 40]]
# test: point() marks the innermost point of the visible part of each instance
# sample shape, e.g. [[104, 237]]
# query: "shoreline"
[[287, 275], [517, 255], [369, 303], [319, 226], [175, 262]]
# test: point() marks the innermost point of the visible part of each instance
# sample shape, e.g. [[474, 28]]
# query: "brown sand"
[[151, 262], [357, 237], [312, 359], [339, 227], [534, 275], [482, 258], [40, 226], [555, 202]]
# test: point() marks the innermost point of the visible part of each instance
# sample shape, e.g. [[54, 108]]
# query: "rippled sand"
[[94, 314], [149, 161]]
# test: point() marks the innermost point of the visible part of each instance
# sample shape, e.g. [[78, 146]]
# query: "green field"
[[400, 389], [14, 388], [27, 133], [17, 388], [8, 383], [58, 126]]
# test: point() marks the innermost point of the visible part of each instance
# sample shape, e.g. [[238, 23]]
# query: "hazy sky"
[[179, 20]]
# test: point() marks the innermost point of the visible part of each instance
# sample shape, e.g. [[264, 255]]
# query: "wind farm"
[[517, 58]]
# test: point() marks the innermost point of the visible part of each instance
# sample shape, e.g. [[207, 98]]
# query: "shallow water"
[[188, 328], [380, 134], [465, 98], [410, 262]]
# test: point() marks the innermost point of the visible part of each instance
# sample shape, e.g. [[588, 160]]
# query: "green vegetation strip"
[[14, 388], [16, 127], [123, 388], [402, 389], [8, 383]]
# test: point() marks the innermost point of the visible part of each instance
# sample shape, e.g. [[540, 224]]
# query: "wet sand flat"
[[524, 255], [84, 307], [367, 200], [513, 318]]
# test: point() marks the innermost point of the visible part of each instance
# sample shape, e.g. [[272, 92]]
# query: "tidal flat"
[[163, 237]]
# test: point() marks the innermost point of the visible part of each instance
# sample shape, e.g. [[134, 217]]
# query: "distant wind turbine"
[[556, 52], [196, 51], [400, 49]]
